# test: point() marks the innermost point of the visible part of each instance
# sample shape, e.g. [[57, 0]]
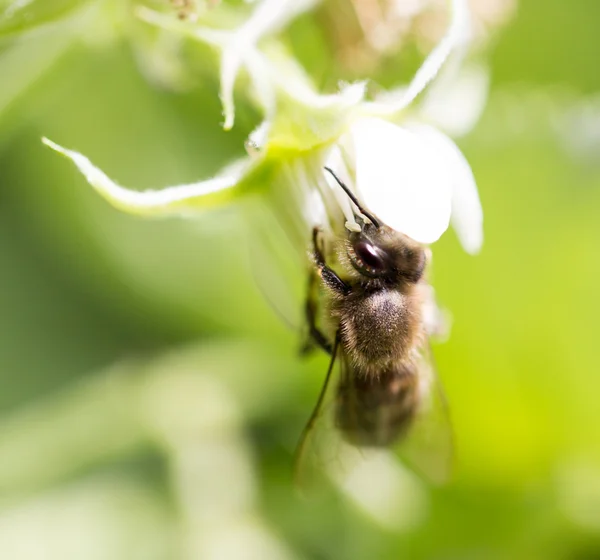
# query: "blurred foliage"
[[22, 16], [183, 448]]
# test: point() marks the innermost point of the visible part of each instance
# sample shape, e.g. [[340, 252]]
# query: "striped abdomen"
[[376, 411]]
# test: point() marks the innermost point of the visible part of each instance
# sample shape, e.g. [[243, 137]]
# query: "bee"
[[387, 392]]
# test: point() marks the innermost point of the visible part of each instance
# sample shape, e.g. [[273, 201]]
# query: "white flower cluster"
[[387, 150]]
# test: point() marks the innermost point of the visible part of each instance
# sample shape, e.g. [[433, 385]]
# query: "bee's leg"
[[329, 277], [315, 336], [333, 282]]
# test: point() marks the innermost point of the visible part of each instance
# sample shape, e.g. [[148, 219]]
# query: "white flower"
[[408, 173], [413, 178], [239, 47]]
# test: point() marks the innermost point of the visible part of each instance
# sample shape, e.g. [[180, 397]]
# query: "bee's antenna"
[[353, 198]]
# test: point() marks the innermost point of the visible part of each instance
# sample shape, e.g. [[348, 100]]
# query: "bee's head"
[[381, 252], [378, 251]]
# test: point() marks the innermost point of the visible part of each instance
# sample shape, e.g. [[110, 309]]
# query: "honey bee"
[[387, 392]]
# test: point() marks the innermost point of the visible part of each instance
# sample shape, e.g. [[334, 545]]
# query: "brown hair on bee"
[[380, 319]]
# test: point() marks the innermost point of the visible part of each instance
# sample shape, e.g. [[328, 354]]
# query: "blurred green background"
[[150, 398]]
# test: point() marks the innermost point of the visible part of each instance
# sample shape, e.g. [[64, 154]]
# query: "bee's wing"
[[321, 452], [276, 266], [428, 447], [316, 447]]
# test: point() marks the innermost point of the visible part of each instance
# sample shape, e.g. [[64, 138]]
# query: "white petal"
[[238, 47], [262, 81], [400, 179], [270, 16], [230, 66], [457, 35], [467, 214], [299, 88], [456, 103], [236, 56], [257, 139], [171, 200]]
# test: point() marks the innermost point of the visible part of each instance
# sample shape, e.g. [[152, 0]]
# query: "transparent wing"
[[428, 447], [279, 270], [318, 449], [322, 455]]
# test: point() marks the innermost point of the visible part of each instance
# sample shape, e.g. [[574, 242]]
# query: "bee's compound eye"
[[370, 256]]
